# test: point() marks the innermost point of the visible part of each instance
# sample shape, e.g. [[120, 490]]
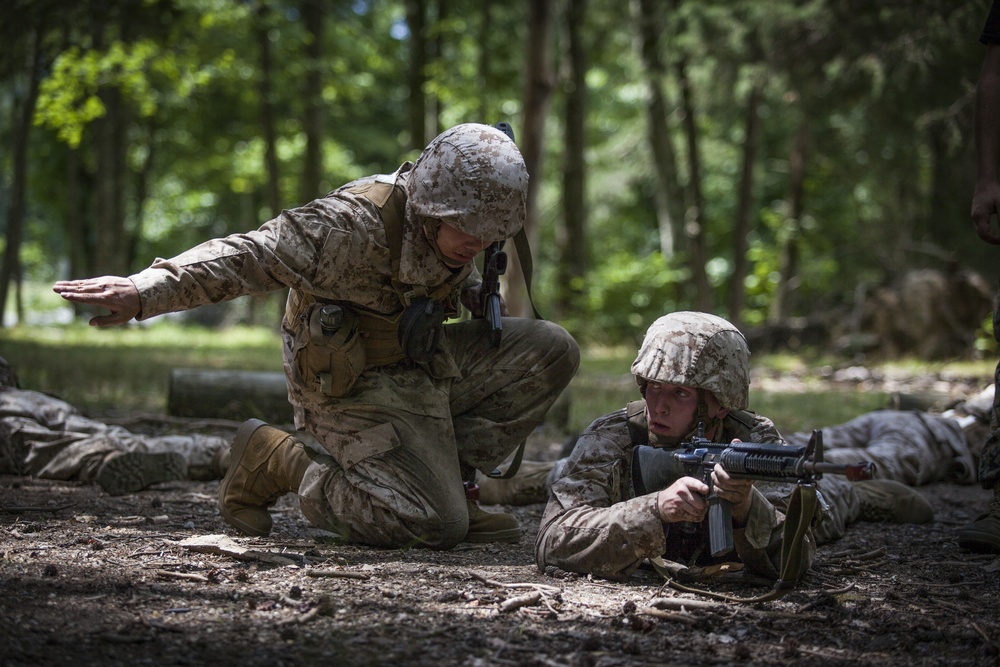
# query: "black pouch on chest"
[[420, 329]]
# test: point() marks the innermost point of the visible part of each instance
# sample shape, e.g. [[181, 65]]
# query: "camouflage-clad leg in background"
[[398, 445], [46, 437], [983, 534], [908, 448]]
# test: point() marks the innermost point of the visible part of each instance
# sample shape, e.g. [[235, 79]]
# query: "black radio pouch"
[[420, 329]]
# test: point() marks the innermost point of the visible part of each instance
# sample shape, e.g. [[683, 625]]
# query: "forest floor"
[[157, 578]]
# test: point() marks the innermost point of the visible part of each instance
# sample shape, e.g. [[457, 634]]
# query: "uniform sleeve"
[[588, 525], [314, 248]]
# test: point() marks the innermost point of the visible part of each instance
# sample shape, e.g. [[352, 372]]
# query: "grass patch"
[[128, 368]]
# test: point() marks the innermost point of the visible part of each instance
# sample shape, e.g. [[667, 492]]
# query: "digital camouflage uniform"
[[908, 447], [596, 521], [398, 441], [46, 437]]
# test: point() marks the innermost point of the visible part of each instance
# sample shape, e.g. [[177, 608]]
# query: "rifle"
[[766, 462], [494, 266]]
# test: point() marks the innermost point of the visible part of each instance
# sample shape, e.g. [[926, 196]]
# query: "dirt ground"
[[156, 578]]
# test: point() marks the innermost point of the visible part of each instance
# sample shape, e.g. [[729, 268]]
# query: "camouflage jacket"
[[333, 248], [595, 523]]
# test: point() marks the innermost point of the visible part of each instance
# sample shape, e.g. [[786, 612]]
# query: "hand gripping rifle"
[[801, 465], [494, 266]]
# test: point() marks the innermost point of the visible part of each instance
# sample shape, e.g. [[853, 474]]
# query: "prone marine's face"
[[671, 409]]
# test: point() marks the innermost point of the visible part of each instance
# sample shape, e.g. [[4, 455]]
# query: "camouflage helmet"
[[697, 350], [473, 178]]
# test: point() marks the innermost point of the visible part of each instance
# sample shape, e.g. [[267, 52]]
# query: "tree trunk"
[[789, 267], [141, 192], [111, 246], [11, 267], [668, 196], [694, 218], [416, 19], [485, 97], [435, 106], [267, 123], [572, 234], [537, 96], [741, 228], [237, 395], [312, 93]]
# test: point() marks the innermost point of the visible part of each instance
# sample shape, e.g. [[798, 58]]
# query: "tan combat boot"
[[983, 534], [886, 501], [528, 486], [488, 527], [128, 472], [265, 464]]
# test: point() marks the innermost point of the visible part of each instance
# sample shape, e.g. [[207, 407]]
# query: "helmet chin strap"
[[431, 227], [701, 417]]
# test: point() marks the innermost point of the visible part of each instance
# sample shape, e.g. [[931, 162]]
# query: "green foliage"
[[888, 114], [624, 295], [129, 367]]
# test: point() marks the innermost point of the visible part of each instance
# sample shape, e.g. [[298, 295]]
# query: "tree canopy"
[[760, 160]]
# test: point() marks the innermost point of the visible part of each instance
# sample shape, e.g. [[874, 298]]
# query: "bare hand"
[[736, 491], [985, 205], [472, 298], [684, 500], [119, 295]]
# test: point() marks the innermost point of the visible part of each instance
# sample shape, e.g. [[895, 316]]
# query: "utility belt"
[[333, 343]]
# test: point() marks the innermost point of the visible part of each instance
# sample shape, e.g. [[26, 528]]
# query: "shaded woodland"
[[773, 162]]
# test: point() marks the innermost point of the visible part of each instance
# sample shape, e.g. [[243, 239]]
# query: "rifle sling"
[[649, 464]]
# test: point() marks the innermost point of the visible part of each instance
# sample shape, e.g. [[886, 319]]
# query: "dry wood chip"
[[167, 574], [529, 600], [685, 603]]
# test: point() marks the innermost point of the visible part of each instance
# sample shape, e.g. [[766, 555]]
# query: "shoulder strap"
[[638, 430], [524, 257], [390, 199]]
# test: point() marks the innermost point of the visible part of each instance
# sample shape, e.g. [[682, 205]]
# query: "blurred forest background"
[[776, 162]]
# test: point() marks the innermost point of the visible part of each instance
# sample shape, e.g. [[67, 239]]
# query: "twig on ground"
[[542, 588], [20, 509], [679, 617], [190, 576], [338, 574]]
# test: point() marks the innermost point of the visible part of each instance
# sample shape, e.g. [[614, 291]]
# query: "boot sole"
[[239, 446], [981, 542], [135, 471]]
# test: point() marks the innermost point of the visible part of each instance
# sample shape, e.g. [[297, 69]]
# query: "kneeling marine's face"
[[458, 248]]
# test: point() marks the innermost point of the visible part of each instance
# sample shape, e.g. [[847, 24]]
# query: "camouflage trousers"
[[48, 438], [989, 460], [398, 449], [912, 448]]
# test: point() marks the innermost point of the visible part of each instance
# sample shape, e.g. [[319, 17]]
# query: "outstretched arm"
[[119, 295]]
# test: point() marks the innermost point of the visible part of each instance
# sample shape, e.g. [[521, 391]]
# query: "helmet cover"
[[697, 350], [473, 178]]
